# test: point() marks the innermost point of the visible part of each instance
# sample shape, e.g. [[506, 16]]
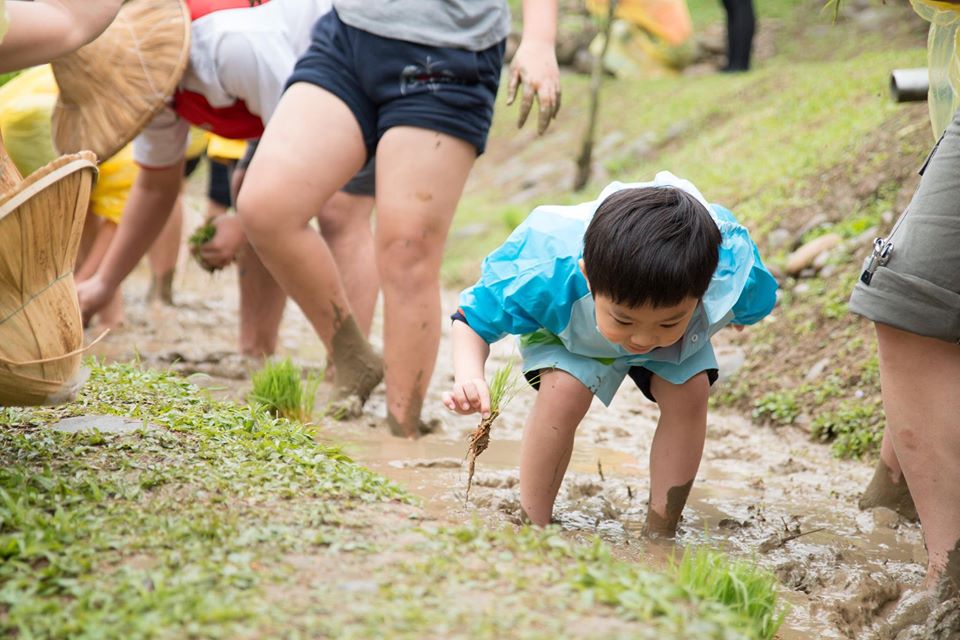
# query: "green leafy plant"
[[280, 388], [778, 407], [855, 427]]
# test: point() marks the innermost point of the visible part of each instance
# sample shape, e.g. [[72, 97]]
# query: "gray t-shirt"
[[462, 24]]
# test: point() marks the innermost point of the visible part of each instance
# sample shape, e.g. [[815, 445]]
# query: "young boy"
[[633, 283]]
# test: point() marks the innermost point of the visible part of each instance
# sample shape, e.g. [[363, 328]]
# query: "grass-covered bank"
[[807, 143], [218, 520]]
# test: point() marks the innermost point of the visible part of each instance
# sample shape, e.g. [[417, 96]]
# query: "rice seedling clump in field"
[[281, 389], [201, 236]]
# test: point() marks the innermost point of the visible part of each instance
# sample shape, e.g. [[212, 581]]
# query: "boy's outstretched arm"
[[534, 65], [470, 392]]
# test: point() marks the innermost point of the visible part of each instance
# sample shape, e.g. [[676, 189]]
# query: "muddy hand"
[[468, 397], [534, 67], [222, 249]]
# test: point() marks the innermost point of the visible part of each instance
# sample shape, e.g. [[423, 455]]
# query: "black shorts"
[[388, 83], [639, 375]]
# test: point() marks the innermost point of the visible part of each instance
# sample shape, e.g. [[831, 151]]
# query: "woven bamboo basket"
[[41, 331]]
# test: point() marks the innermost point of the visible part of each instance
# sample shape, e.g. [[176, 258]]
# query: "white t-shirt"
[[235, 54]]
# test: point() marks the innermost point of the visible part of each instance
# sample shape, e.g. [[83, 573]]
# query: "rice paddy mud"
[[766, 495]]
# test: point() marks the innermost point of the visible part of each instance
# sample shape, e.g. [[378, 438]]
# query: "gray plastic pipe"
[[909, 85]]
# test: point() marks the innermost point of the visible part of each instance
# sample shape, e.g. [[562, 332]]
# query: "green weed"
[[855, 427], [777, 407]]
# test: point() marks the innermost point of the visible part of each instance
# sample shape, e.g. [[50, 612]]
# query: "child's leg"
[[561, 403], [311, 147], [345, 224], [676, 449], [918, 378], [420, 176]]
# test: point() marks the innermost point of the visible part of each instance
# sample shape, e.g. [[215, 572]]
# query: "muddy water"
[[766, 495]]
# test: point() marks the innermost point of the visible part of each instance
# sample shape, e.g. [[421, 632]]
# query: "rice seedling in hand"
[[502, 387], [202, 235], [279, 387]]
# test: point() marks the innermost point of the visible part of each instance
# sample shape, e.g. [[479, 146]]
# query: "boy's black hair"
[[655, 245]]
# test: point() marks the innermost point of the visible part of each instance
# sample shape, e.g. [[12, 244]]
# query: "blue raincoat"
[[532, 287]]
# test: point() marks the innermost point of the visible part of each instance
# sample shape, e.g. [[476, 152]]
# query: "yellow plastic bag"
[[943, 56]]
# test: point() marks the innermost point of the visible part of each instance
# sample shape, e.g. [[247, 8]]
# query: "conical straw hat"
[[41, 332], [111, 88]]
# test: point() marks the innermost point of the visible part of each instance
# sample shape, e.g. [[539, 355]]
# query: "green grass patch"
[[166, 532]]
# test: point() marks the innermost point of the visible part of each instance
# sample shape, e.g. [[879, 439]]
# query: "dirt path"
[[763, 494]]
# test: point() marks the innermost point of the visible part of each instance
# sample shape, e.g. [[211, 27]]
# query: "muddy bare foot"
[[883, 491], [908, 618], [358, 370], [161, 289], [404, 431], [665, 525]]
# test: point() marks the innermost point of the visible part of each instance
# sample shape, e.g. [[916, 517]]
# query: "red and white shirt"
[[240, 59]]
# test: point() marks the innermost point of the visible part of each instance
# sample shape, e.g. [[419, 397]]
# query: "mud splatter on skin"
[[411, 426], [886, 491], [666, 526], [358, 368], [950, 583]]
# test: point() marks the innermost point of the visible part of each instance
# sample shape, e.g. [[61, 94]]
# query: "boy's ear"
[[584, 272]]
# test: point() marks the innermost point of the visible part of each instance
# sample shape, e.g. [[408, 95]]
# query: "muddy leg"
[[888, 487], [548, 441], [309, 150], [345, 225], [420, 176], [163, 255], [261, 306], [676, 450], [918, 377]]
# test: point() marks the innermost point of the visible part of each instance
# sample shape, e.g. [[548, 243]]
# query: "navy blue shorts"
[[389, 83], [640, 376]]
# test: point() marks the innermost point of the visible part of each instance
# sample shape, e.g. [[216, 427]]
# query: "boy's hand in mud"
[[222, 249], [534, 67], [469, 396]]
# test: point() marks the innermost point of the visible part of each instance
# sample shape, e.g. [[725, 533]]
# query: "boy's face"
[[642, 329]]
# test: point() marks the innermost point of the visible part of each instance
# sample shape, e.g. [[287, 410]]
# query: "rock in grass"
[[803, 257]]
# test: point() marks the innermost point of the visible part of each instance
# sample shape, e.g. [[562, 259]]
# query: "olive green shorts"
[[918, 289]]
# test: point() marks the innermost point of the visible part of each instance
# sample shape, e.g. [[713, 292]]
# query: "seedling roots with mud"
[[502, 387]]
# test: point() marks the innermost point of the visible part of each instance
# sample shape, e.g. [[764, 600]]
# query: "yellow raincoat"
[[943, 53]]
